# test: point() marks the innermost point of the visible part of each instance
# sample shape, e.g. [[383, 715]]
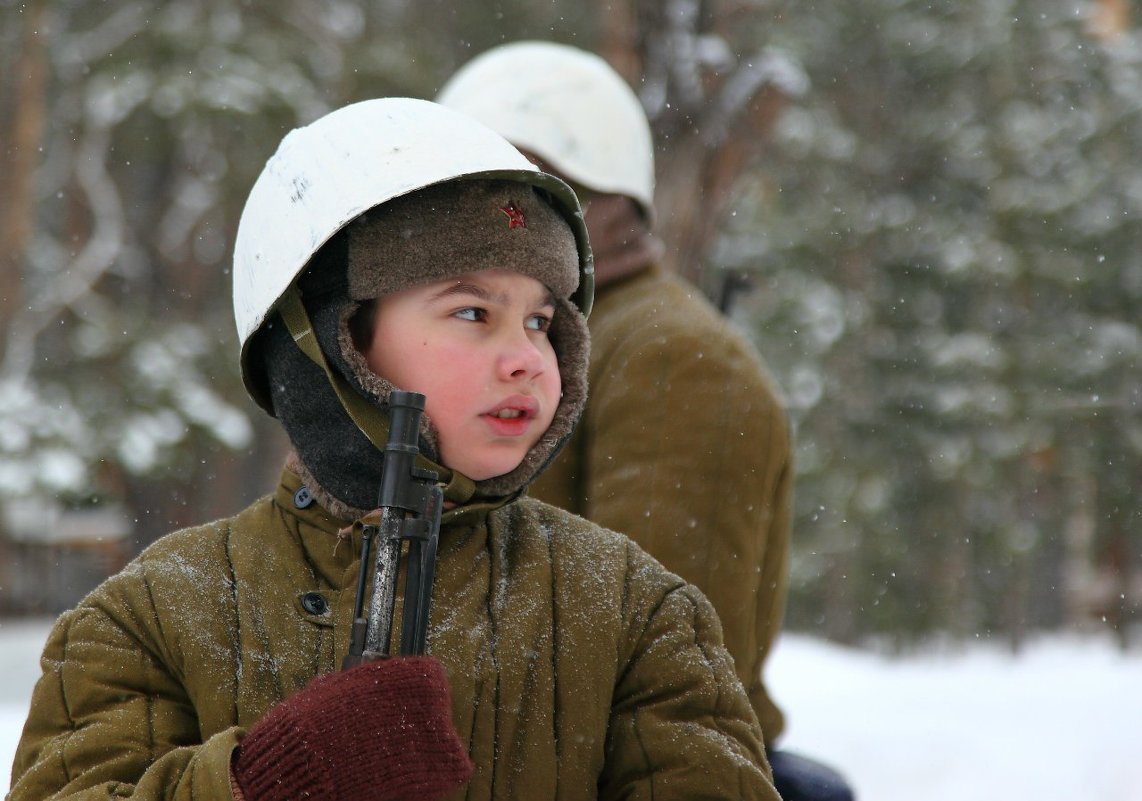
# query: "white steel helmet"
[[327, 173], [566, 106]]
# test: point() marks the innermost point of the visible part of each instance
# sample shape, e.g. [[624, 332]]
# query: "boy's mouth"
[[514, 408], [509, 414], [513, 416]]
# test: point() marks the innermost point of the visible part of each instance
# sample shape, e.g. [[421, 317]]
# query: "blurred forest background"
[[928, 215]]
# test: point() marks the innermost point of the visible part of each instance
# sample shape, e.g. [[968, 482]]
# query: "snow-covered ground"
[[1063, 721]]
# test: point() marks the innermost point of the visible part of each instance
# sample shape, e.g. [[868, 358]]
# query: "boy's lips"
[[512, 417]]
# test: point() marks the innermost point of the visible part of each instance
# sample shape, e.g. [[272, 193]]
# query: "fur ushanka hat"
[[429, 235]]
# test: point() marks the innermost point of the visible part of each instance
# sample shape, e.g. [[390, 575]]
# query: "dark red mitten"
[[381, 731]]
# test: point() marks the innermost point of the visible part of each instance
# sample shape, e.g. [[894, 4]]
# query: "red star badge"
[[515, 216]]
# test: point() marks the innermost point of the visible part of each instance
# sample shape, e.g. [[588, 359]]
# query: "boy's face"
[[476, 346]]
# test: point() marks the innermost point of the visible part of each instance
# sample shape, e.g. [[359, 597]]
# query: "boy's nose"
[[521, 358]]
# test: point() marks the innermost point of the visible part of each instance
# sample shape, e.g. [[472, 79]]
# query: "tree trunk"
[[22, 112], [710, 123]]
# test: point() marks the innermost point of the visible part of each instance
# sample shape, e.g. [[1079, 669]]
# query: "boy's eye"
[[471, 314], [539, 322]]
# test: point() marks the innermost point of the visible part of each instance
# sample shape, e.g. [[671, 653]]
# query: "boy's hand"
[[381, 731]]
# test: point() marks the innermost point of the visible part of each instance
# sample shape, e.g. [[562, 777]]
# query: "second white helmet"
[[566, 106]]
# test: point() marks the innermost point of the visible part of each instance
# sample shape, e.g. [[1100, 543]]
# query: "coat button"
[[314, 603], [303, 498]]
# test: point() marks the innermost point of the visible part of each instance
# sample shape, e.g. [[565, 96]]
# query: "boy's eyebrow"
[[546, 297]]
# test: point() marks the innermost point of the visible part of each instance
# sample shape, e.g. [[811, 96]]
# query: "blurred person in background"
[[684, 444]]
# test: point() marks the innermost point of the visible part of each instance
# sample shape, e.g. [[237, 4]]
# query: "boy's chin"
[[482, 469], [487, 473]]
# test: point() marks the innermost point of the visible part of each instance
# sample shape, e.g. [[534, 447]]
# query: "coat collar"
[[294, 500]]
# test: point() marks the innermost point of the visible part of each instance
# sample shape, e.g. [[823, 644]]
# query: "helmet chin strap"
[[373, 423]]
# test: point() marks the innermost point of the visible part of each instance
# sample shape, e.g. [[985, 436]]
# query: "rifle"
[[409, 503]]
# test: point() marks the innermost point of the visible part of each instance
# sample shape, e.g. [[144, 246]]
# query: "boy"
[[395, 244]]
